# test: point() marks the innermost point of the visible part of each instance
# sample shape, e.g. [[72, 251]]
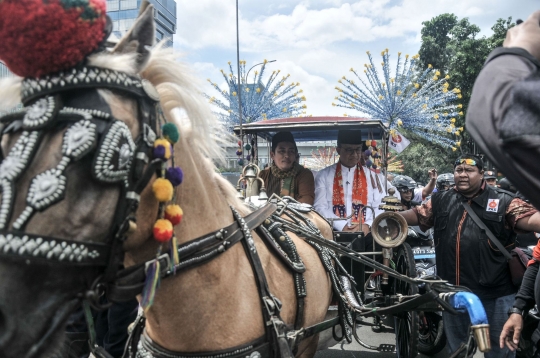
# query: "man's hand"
[[511, 332], [350, 228], [432, 174], [526, 35], [356, 228]]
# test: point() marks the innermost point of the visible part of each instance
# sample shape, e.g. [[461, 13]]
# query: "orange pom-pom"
[[163, 190], [174, 214], [163, 230]]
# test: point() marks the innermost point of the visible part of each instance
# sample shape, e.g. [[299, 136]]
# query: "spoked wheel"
[[406, 323], [431, 339]]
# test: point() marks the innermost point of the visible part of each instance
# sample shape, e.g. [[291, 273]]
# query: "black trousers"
[[111, 330]]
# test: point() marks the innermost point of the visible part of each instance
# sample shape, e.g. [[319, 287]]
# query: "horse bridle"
[[70, 99]]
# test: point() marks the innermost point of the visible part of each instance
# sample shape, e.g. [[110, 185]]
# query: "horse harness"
[[279, 340], [70, 100]]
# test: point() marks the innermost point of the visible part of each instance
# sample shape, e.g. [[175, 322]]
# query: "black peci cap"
[[349, 137], [284, 136]]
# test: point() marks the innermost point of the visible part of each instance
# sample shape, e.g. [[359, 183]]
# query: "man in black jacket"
[[465, 255]]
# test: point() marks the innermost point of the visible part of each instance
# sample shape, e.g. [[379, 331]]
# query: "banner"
[[398, 142]]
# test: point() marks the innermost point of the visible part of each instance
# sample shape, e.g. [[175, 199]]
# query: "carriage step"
[[387, 348]]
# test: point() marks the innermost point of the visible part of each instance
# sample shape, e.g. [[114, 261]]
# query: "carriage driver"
[[285, 177], [347, 186]]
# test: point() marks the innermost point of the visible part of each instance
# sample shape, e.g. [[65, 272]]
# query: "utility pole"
[[239, 84]]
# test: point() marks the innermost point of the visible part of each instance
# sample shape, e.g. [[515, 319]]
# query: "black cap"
[[490, 174], [346, 136], [284, 136]]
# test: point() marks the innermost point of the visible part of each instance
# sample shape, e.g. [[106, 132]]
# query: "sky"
[[317, 41]]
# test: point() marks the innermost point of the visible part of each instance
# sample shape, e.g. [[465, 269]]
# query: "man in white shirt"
[[347, 186]]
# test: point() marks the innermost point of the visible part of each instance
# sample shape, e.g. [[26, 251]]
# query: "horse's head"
[[76, 163]]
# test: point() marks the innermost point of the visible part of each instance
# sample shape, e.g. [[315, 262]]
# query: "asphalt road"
[[374, 339]]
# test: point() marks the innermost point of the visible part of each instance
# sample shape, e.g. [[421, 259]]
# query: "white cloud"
[[317, 41]]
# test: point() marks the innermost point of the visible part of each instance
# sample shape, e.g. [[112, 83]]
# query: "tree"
[[435, 39], [422, 156]]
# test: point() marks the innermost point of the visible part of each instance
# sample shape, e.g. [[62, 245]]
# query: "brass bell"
[[262, 194], [249, 172]]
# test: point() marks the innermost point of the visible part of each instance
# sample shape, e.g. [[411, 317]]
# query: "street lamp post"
[[239, 88]]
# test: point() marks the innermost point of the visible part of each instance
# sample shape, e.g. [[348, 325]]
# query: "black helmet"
[[445, 181], [506, 185], [404, 183]]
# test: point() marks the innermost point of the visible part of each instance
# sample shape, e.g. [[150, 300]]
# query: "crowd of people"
[[465, 255]]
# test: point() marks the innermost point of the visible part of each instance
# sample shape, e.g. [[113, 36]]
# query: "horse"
[[207, 308]]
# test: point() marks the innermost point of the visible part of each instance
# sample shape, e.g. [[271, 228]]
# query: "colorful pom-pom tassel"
[[239, 152], [248, 157], [239, 143], [367, 152], [163, 230], [170, 132], [151, 285], [240, 161], [373, 143], [175, 175], [247, 146], [162, 149], [174, 214], [369, 163], [163, 189]]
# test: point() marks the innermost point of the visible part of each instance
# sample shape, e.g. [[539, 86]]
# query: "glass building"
[[4, 71], [124, 12]]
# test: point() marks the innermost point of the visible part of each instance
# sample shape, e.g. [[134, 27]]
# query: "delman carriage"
[[106, 190]]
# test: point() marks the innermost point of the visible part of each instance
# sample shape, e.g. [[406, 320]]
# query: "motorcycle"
[[431, 338]]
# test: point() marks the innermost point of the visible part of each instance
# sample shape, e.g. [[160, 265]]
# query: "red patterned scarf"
[[359, 193]]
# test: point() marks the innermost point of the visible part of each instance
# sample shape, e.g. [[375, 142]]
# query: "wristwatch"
[[513, 310]]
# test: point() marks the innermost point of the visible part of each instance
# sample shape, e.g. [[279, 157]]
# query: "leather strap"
[[488, 232], [130, 281]]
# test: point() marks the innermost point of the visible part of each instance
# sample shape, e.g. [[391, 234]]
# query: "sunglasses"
[[465, 161], [404, 190]]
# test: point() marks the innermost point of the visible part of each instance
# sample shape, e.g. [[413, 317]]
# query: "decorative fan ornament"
[[419, 101]]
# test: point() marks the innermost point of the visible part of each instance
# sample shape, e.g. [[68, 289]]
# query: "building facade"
[[4, 72], [123, 14]]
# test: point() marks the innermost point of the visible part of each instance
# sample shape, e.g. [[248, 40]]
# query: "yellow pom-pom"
[[453, 120], [399, 122], [163, 189], [429, 65], [454, 149]]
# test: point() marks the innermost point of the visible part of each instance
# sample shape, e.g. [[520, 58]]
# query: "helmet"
[[506, 185], [445, 181], [404, 183]]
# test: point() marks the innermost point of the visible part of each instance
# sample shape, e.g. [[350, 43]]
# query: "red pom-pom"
[[373, 143], [174, 214], [163, 230], [42, 37]]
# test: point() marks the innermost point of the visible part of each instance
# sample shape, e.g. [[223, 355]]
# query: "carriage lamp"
[[389, 229]]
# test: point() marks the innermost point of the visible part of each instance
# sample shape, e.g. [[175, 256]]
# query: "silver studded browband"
[[85, 77], [88, 130]]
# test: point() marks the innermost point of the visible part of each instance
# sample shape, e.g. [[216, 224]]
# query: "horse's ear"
[[140, 37]]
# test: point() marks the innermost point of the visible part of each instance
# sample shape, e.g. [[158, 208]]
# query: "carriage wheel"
[[406, 323]]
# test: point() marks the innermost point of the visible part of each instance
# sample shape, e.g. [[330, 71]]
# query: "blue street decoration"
[[418, 101], [260, 101]]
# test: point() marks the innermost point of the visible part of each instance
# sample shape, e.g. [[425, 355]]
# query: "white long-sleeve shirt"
[[324, 184]]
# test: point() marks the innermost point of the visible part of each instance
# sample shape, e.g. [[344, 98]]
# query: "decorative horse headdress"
[[40, 37], [47, 42]]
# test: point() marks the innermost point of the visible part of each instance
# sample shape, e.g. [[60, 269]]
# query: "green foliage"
[[435, 39]]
